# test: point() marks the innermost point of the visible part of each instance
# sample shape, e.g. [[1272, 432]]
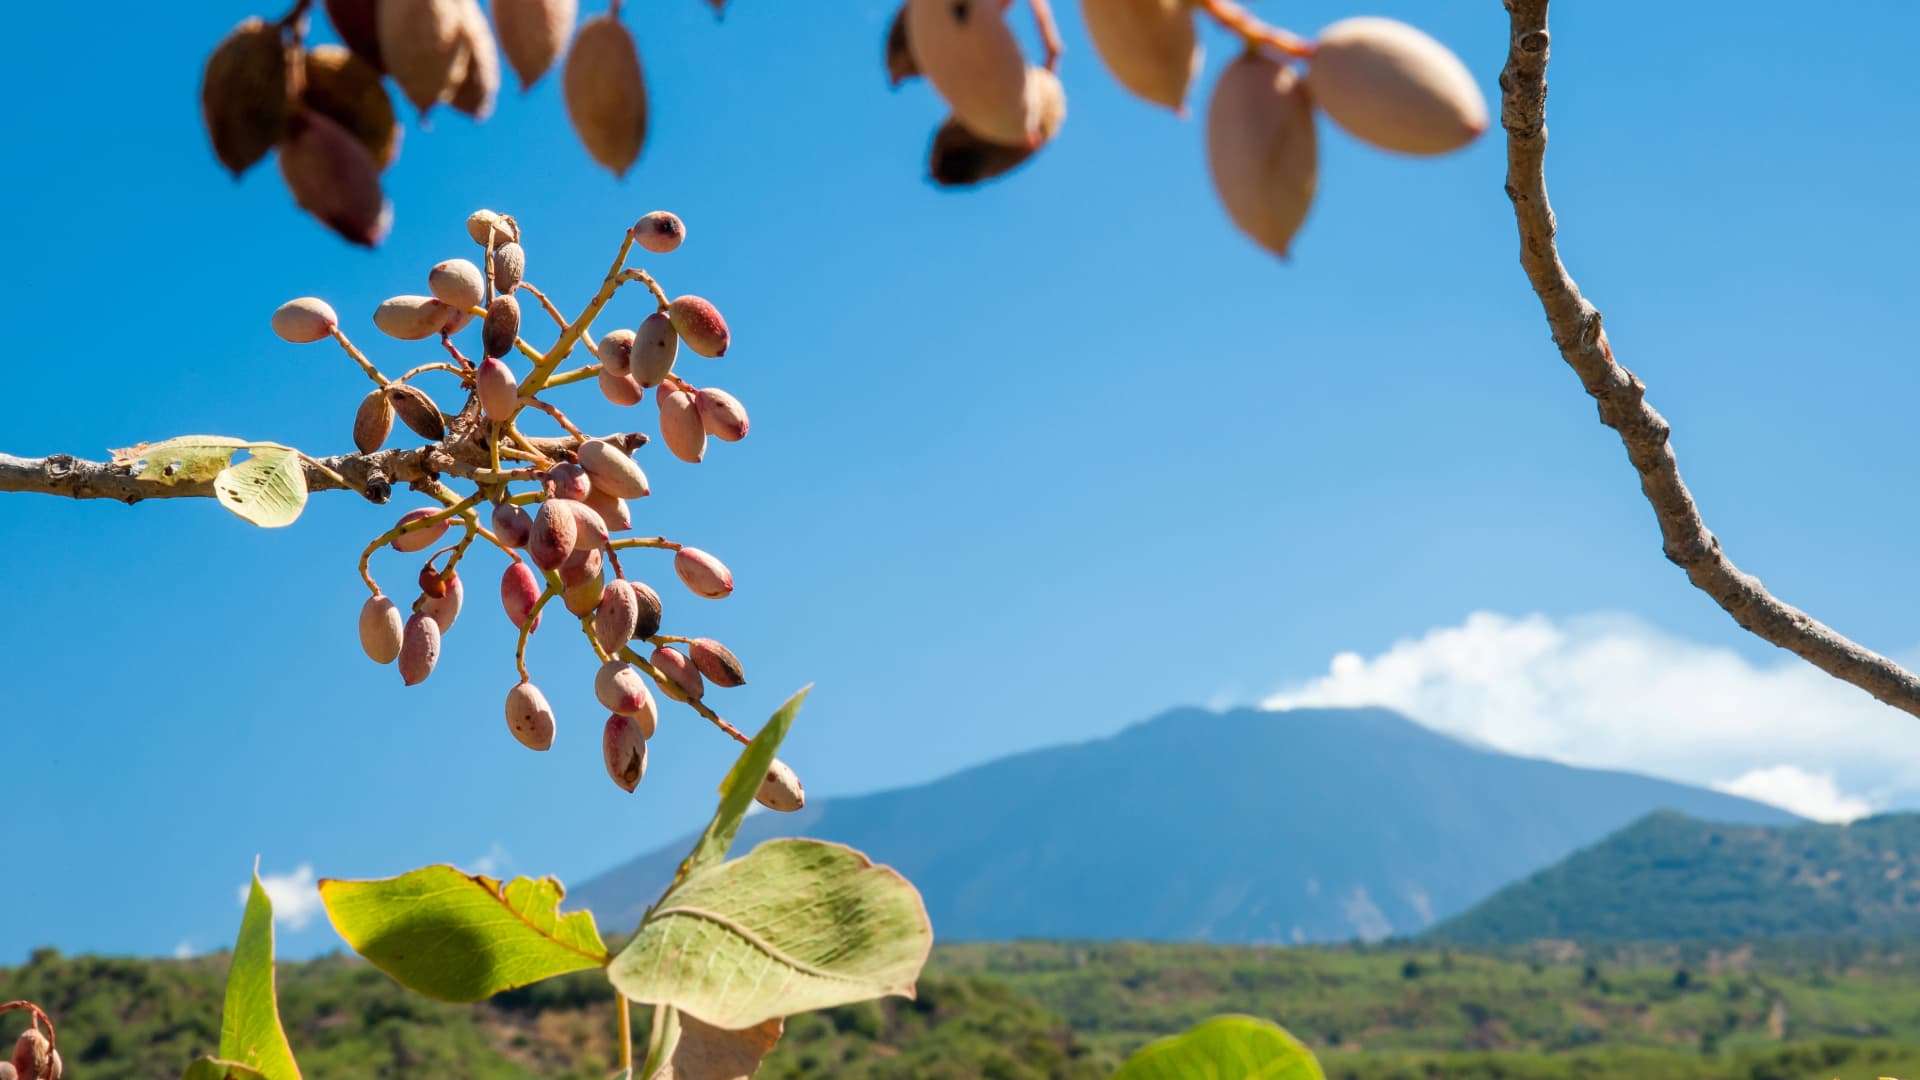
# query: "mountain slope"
[[1248, 826], [1674, 878]]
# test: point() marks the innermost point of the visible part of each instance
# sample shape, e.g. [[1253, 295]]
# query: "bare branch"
[[1622, 396]]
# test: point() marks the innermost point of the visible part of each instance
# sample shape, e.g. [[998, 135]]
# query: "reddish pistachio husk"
[[699, 324], [532, 34], [680, 672], [423, 45], [502, 326], [347, 88], [781, 789], [457, 283], [659, 232], [1393, 86], [647, 618], [606, 93], [583, 598], [620, 389], [381, 625], [423, 537], [1261, 148], [614, 511], [305, 320], [243, 94], [613, 470], [1149, 46], [680, 424], [33, 1055], [970, 55], [554, 534], [498, 390], [717, 663], [519, 592], [509, 267], [702, 573], [617, 616], [431, 583], [582, 566], [445, 608], [590, 529], [333, 177], [901, 65], [372, 422], [616, 352], [502, 227], [529, 717], [624, 748], [479, 83], [569, 480], [411, 318], [655, 346], [356, 23], [512, 524], [419, 649], [417, 411], [721, 414], [621, 688]]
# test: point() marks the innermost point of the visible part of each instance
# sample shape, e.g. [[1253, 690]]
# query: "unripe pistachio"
[[582, 566], [457, 283], [659, 232], [702, 573], [372, 422], [591, 529], [512, 524], [479, 84], [505, 230], [33, 1055], [332, 176], [411, 318], [419, 649], [422, 43], [8, 1072], [417, 410], [519, 592], [381, 625], [970, 55], [305, 320], [423, 537], [499, 392], [509, 267], [680, 672], [243, 94], [1149, 45], [502, 327], [456, 322], [583, 598], [699, 324], [655, 345], [1395, 87], [717, 663], [620, 389], [621, 689], [445, 608], [617, 616], [529, 717], [721, 414], [613, 511], [647, 616], [606, 93], [680, 424], [533, 33], [613, 470], [347, 89], [781, 789], [554, 533], [569, 480], [1261, 148], [616, 352], [624, 749]]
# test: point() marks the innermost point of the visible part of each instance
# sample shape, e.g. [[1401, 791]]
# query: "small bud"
[[380, 629], [619, 612], [625, 751], [655, 346], [411, 318], [512, 524], [529, 717], [372, 422], [554, 534], [569, 480], [305, 320], [646, 621], [613, 470], [499, 393], [680, 424], [505, 230], [613, 510], [620, 389], [502, 327], [679, 671], [419, 649], [699, 324], [445, 608], [456, 283], [781, 789], [582, 566], [423, 537], [616, 352], [621, 688], [509, 267], [702, 573], [519, 592], [417, 411], [721, 414], [659, 232], [717, 663]]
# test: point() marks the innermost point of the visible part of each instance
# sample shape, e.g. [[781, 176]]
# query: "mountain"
[[1245, 826], [1670, 877]]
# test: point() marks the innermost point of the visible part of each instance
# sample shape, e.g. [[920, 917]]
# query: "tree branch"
[[1622, 396]]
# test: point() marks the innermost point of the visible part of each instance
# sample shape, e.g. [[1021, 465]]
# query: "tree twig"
[[1621, 395]]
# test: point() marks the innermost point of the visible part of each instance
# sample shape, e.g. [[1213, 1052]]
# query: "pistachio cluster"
[[557, 507], [34, 1057]]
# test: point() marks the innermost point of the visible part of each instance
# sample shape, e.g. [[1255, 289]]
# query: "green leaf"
[[250, 1031], [269, 488], [1224, 1048], [462, 937], [185, 459], [796, 925], [214, 1069], [738, 789]]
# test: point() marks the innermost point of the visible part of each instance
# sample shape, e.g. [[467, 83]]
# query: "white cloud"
[[493, 862], [1611, 691], [1808, 794], [185, 951], [295, 896]]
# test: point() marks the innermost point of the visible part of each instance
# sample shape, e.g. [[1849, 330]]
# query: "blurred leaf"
[[1224, 1048], [705, 1052], [250, 1031], [269, 488], [214, 1069], [662, 1039], [738, 789]]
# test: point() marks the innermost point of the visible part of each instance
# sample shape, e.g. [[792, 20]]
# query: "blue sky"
[[1028, 463]]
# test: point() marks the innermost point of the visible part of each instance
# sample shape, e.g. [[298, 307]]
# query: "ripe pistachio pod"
[[553, 536], [529, 717], [590, 529], [457, 283], [970, 55], [702, 573], [619, 389], [372, 422], [614, 511], [717, 663], [569, 480], [655, 345], [8, 1072], [333, 177], [959, 158], [721, 414], [583, 598], [613, 470], [699, 324], [349, 90], [509, 267], [519, 592], [502, 327], [606, 93], [659, 232], [617, 616], [479, 83], [423, 537], [305, 320], [680, 425], [621, 689], [648, 610], [503, 228], [781, 789], [33, 1055], [679, 671], [1261, 148], [411, 318], [357, 25], [417, 411], [901, 65], [423, 45], [1148, 45], [512, 524], [1393, 86], [445, 608], [419, 649], [582, 566], [616, 352], [499, 393], [532, 34], [624, 749], [243, 94], [380, 627]]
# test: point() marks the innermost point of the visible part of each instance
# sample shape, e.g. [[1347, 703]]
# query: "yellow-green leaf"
[[214, 1069], [269, 488], [1224, 1048], [462, 937], [738, 789], [250, 1031], [184, 459]]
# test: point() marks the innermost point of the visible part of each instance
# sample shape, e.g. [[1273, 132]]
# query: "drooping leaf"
[[705, 1052], [462, 937], [186, 459], [737, 790], [214, 1069], [269, 488], [1224, 1048], [794, 926], [662, 1039], [250, 1031]]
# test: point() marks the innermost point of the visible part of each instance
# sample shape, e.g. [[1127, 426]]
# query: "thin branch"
[[1622, 396]]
